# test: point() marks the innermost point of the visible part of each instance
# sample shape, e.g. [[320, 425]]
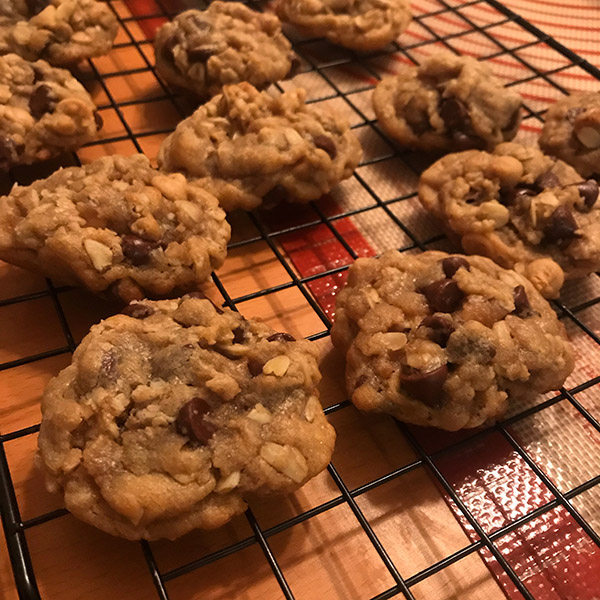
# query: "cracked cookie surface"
[[356, 24], [173, 413], [447, 103], [228, 43], [44, 111], [445, 340], [117, 226], [571, 132], [249, 148], [63, 32], [519, 207]]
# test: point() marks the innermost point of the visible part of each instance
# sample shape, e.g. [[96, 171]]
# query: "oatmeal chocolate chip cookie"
[[519, 207], [227, 43], [572, 132], [357, 24], [248, 147], [115, 225], [447, 103], [445, 340], [63, 32], [174, 412], [44, 111]]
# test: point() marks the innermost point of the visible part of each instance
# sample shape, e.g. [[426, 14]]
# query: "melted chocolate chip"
[[41, 101], [36, 6], [546, 180], [453, 263], [281, 337], [454, 114], [137, 250], [239, 335], [202, 296], [8, 150], [167, 50], [522, 306], [426, 387], [201, 55], [191, 421], [255, 367], [326, 143], [441, 329], [513, 123], [443, 295], [561, 225], [275, 196], [588, 190], [512, 196], [138, 311], [98, 120]]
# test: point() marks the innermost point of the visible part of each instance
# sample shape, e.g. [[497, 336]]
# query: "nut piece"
[[285, 459], [277, 366], [312, 409], [394, 340], [100, 255], [228, 483], [589, 137], [260, 414]]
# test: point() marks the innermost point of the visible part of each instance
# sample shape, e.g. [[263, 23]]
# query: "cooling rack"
[[511, 511]]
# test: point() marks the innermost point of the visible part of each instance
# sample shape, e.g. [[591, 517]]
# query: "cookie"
[[44, 111], [249, 147], [572, 132], [228, 43], [519, 207], [174, 412], [356, 24], [448, 103], [115, 226], [446, 340], [63, 32]]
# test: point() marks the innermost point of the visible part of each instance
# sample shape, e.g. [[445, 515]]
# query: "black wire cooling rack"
[[16, 529]]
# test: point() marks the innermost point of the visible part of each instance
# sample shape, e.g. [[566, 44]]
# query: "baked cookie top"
[[44, 111], [445, 340], [171, 414], [115, 225], [447, 103], [356, 24], [63, 32], [248, 147], [572, 132], [519, 207], [227, 43]]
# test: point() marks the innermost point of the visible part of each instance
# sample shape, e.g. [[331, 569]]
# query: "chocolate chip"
[[512, 196], [281, 337], [453, 263], [36, 6], [201, 55], [275, 196], [239, 335], [255, 367], [561, 225], [588, 190], [167, 49], [326, 143], [454, 114], [191, 421], [138, 311], [426, 387], [443, 295], [547, 180], [441, 329], [108, 365], [137, 250], [98, 120], [513, 122], [41, 101], [522, 306], [574, 112]]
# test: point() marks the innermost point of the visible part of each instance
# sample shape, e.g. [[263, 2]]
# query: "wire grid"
[[272, 233]]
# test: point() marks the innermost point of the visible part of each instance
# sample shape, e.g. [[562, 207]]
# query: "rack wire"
[[328, 68]]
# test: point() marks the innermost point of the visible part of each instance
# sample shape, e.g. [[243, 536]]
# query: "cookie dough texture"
[[44, 111], [248, 147], [447, 103], [572, 132], [117, 226], [445, 340], [519, 207], [172, 414], [357, 24], [227, 43], [63, 32]]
